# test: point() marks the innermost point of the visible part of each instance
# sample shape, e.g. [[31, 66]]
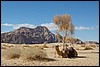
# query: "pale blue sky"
[[84, 14]]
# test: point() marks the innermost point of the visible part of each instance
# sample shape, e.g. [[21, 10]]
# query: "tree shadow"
[[50, 59], [81, 57], [78, 57], [47, 59]]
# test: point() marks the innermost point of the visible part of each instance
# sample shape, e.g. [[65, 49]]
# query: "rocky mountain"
[[72, 40], [78, 41], [40, 34], [25, 35]]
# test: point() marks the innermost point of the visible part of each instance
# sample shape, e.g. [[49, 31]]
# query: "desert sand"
[[85, 57]]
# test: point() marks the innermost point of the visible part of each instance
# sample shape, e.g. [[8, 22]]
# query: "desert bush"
[[45, 46], [93, 45], [24, 45], [7, 45], [97, 45], [52, 46], [33, 53], [82, 45], [77, 48], [41, 47], [4, 44], [36, 46], [26, 53], [3, 47], [11, 53], [88, 47]]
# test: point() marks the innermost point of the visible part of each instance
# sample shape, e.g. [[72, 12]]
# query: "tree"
[[64, 25], [58, 36]]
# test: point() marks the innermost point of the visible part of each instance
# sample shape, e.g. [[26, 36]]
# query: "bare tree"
[[64, 25], [58, 36]]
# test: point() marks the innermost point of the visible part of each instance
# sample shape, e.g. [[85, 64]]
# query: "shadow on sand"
[[50, 59], [47, 59], [81, 57], [78, 57]]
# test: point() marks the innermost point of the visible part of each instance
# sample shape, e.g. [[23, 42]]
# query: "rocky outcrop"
[[25, 35], [73, 40], [91, 42], [78, 41]]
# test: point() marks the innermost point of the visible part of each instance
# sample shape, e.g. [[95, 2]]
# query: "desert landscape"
[[88, 55], [49, 33]]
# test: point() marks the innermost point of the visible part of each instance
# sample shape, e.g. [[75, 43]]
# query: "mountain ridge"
[[38, 35], [26, 35]]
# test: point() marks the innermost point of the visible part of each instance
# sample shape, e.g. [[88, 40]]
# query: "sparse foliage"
[[58, 36], [64, 24]]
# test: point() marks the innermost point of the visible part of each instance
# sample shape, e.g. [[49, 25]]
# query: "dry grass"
[[88, 47], [3, 47], [33, 53], [52, 46], [82, 45], [11, 53], [93, 45], [85, 57], [77, 48], [45, 46], [3, 44], [7, 45], [24, 45], [26, 53], [97, 45], [38, 46]]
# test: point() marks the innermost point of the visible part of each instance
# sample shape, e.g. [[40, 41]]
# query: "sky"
[[84, 15]]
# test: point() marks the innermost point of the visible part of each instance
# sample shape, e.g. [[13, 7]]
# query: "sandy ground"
[[85, 58]]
